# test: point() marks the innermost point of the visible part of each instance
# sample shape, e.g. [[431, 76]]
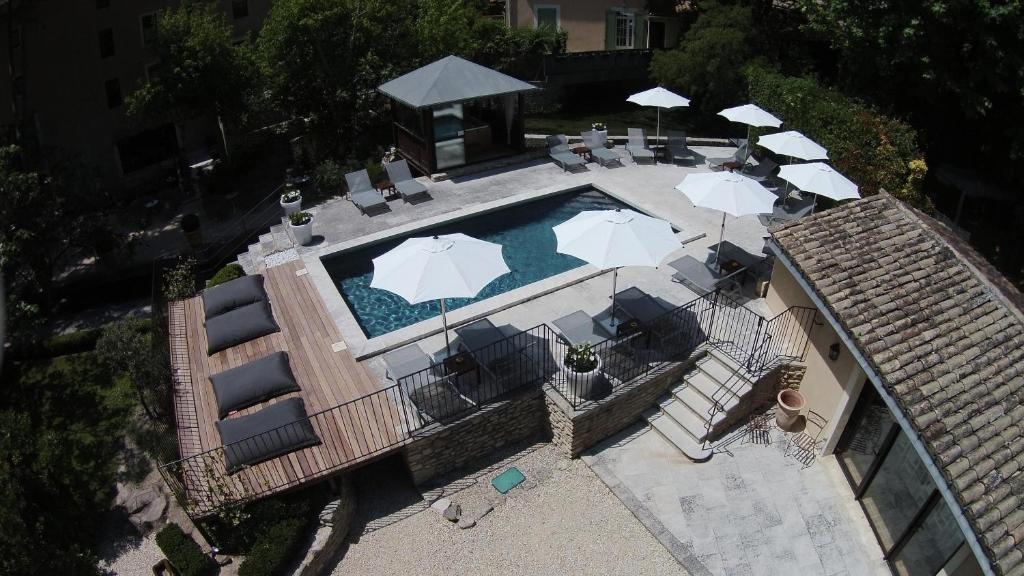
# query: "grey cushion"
[[233, 294], [273, 431], [252, 383], [579, 327], [238, 326], [639, 305]]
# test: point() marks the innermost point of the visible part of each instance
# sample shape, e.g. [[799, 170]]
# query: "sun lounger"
[[639, 305], [763, 171], [408, 361], [252, 383], [637, 145], [677, 149], [603, 155], [407, 186], [579, 328], [559, 151], [739, 159], [362, 193]]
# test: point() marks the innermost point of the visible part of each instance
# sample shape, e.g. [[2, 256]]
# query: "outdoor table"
[[706, 276], [581, 150], [387, 189]]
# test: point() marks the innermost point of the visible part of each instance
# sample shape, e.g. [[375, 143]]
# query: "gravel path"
[[563, 520]]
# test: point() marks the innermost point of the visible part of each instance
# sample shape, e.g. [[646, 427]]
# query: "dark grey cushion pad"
[[274, 431], [238, 326], [233, 294], [252, 383]]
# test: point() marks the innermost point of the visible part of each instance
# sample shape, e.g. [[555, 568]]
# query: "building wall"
[[830, 387], [584, 20]]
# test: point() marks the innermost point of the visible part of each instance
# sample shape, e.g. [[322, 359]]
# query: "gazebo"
[[453, 112]]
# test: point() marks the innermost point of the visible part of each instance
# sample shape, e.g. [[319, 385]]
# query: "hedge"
[[226, 274], [75, 342], [183, 552], [873, 150], [275, 549]]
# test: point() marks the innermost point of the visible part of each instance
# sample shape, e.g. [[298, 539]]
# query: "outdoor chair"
[[603, 155], [435, 397], [362, 193], [804, 446], [409, 361], [785, 211], [559, 151], [737, 160], [580, 328], [677, 149], [637, 145], [407, 186], [764, 171], [639, 305]]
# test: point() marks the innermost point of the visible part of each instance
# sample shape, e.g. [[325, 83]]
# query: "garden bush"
[[184, 553], [873, 150], [226, 274], [275, 549]]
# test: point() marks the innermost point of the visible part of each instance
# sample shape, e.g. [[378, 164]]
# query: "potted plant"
[[301, 224], [602, 132], [193, 233], [581, 367], [291, 199]]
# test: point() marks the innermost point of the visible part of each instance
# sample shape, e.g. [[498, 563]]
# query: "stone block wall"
[[442, 448]]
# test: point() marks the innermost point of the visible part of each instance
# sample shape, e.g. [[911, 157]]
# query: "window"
[[106, 42], [239, 8], [547, 17], [147, 23], [624, 29], [101, 4], [113, 89]]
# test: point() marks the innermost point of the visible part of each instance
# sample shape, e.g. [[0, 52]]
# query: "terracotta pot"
[[790, 403]]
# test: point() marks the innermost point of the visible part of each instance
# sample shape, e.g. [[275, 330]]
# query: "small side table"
[[387, 189]]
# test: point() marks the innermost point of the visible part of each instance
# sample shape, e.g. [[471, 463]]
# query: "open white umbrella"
[[448, 266], [819, 178], [794, 145], [616, 238], [662, 99], [751, 115], [730, 192]]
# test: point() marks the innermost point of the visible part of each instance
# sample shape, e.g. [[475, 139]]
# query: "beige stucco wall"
[[582, 20], [830, 387]]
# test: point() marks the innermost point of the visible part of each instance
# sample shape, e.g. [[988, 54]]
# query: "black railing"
[[228, 240]]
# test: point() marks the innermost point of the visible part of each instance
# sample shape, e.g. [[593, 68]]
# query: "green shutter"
[[640, 31], [609, 29]]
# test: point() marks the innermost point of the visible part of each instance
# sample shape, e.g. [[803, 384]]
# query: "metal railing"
[[226, 243]]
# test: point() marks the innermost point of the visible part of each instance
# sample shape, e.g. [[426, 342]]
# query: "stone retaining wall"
[[442, 448], [330, 535]]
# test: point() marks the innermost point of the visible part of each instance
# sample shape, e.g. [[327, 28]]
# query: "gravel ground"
[[136, 559], [562, 520]]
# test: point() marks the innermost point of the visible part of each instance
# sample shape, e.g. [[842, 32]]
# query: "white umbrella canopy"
[[819, 178], [729, 192], [794, 145], [661, 98], [751, 115], [439, 267], [616, 238]]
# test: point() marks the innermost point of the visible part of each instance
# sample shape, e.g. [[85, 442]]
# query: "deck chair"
[[579, 328], [637, 145], [603, 155], [362, 193], [409, 361], [407, 186], [739, 158], [559, 151], [639, 305], [677, 149], [764, 171]]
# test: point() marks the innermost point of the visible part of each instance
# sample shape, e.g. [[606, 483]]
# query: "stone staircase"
[[681, 417], [272, 249]]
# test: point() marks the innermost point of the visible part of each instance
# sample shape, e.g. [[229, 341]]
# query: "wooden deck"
[[329, 378]]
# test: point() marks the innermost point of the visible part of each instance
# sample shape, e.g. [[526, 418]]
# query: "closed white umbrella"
[[662, 99], [616, 238], [730, 192], [751, 115], [819, 178], [448, 266]]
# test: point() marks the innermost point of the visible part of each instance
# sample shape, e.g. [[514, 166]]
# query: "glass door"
[[869, 434]]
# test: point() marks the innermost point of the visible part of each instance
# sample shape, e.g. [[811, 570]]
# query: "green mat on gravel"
[[508, 480]]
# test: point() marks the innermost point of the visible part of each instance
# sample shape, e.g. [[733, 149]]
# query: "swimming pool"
[[524, 230]]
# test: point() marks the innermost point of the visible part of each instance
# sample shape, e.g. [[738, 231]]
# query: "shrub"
[[300, 218], [275, 549], [226, 274], [290, 194], [329, 177], [581, 358], [179, 281], [126, 350], [184, 553], [70, 343]]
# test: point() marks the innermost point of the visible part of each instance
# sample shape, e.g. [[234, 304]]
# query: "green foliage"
[[444, 27], [126, 350], [179, 281], [259, 517], [708, 65], [300, 218], [290, 194], [515, 51], [581, 358], [183, 552], [70, 343], [329, 177], [226, 274], [873, 150], [275, 549]]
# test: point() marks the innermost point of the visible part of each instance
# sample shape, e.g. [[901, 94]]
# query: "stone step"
[[711, 388], [282, 241], [245, 261], [688, 420], [716, 369], [267, 243], [675, 435], [727, 361], [256, 257], [698, 403]]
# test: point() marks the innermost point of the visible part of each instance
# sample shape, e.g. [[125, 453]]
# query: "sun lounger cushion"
[[367, 199], [252, 383], [578, 328], [639, 305], [408, 188], [233, 294], [274, 431], [239, 325]]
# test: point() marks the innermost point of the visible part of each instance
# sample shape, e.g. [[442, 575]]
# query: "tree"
[[445, 27], [126, 350], [200, 70]]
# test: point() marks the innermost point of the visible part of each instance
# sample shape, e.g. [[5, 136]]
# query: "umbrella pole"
[[444, 320], [721, 236], [814, 203], [615, 278], [657, 131], [747, 156]]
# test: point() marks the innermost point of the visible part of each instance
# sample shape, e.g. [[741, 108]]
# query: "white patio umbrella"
[[819, 178], [616, 238], [751, 115], [730, 192], [448, 266], [662, 99], [794, 145]]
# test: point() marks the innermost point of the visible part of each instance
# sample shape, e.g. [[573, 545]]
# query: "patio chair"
[[639, 305], [764, 171], [804, 446], [785, 212], [408, 361], [362, 193], [677, 149], [603, 155], [737, 160], [407, 186], [559, 151], [637, 145], [580, 328], [435, 397]]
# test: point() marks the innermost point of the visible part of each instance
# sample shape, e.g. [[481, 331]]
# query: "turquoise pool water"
[[528, 243]]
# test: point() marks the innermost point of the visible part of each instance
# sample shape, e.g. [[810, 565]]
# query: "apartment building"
[[595, 25]]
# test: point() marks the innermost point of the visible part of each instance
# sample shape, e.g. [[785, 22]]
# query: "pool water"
[[528, 243]]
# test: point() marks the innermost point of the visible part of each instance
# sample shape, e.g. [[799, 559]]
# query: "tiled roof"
[[946, 336]]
